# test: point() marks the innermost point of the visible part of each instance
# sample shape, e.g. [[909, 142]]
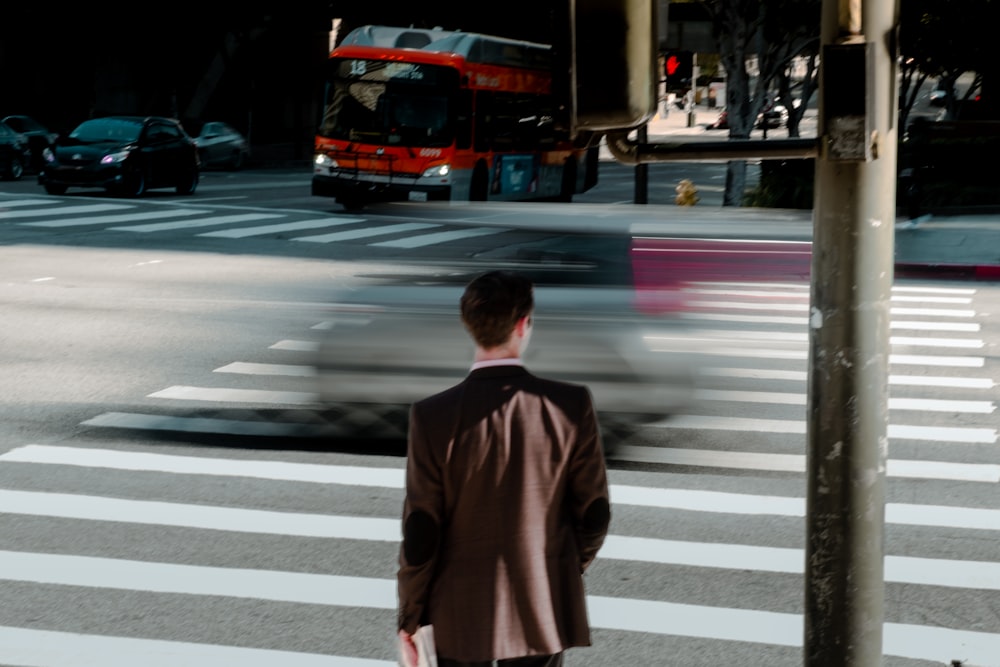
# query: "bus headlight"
[[324, 160], [439, 171]]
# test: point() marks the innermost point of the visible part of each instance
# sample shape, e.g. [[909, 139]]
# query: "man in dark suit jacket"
[[506, 500]]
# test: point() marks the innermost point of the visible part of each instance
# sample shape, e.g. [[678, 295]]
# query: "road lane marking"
[[803, 355], [48, 648], [118, 217], [296, 345], [802, 376], [787, 398], [227, 395], [262, 230], [190, 224], [63, 210], [148, 422], [12, 203], [902, 431], [684, 499], [353, 234], [796, 463], [247, 368], [422, 240], [627, 614]]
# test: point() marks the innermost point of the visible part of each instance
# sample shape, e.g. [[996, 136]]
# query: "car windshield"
[[118, 130]]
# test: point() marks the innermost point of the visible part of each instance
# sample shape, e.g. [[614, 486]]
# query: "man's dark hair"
[[493, 303]]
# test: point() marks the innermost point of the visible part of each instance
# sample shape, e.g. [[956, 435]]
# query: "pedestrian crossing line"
[[195, 465], [796, 463], [63, 210], [247, 368], [422, 240], [263, 230], [117, 217], [803, 355], [802, 376], [803, 337], [933, 290], [802, 323], [964, 327], [623, 494], [787, 398], [932, 299], [227, 395], [149, 422], [980, 575], [190, 224], [953, 434], [626, 614], [804, 308], [296, 345], [47, 648], [368, 232], [16, 203]]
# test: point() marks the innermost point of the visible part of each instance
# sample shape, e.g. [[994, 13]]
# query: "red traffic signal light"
[[678, 66]]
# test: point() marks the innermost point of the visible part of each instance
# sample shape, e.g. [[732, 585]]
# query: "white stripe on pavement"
[[262, 230], [47, 648], [63, 210], [422, 240], [227, 395], [720, 423], [699, 501], [118, 217], [783, 398], [630, 615], [296, 345], [898, 569], [147, 422], [353, 234], [943, 470], [802, 376], [190, 224], [247, 368], [11, 203]]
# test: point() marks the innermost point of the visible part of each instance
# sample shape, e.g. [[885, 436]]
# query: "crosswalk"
[[706, 568], [230, 223]]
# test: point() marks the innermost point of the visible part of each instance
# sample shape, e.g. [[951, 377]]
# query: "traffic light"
[[678, 66]]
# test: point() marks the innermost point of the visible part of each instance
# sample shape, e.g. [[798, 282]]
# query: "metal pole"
[[642, 172], [852, 275]]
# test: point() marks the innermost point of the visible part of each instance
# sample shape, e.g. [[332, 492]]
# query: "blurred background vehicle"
[[38, 137], [222, 145], [400, 339], [773, 116], [125, 155], [14, 154]]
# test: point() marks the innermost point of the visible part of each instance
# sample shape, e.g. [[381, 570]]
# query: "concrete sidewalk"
[[959, 245]]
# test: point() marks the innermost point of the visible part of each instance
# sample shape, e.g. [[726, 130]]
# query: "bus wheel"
[[351, 203], [479, 189], [568, 181]]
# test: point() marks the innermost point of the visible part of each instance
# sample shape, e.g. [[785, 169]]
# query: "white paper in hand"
[[426, 651]]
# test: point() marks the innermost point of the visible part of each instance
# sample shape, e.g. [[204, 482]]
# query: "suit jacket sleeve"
[[588, 485], [422, 522]]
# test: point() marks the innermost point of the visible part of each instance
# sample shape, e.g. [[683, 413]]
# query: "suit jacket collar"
[[507, 370]]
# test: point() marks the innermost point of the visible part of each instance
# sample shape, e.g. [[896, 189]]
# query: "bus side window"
[[463, 119], [484, 121]]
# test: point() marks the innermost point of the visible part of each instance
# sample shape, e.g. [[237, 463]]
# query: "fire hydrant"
[[687, 194]]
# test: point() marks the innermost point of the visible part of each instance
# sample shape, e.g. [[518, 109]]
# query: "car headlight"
[[438, 171], [48, 155], [324, 160], [115, 158]]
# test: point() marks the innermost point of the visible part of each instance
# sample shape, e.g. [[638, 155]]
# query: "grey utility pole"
[[852, 275]]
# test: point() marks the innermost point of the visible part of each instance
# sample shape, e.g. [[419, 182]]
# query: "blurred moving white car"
[[221, 145]]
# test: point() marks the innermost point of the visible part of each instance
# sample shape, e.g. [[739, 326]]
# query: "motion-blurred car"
[[37, 135], [773, 116], [394, 342], [125, 155], [13, 154], [221, 145]]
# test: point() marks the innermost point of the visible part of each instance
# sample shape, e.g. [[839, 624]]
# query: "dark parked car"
[[220, 144], [125, 155], [37, 135], [13, 154]]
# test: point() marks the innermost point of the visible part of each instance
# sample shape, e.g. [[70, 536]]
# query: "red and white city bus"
[[418, 115]]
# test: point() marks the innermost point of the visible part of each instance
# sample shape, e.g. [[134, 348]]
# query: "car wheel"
[[133, 184], [479, 191], [568, 186], [15, 170], [55, 189], [188, 183]]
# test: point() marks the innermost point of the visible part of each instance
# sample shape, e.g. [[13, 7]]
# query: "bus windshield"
[[389, 103]]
